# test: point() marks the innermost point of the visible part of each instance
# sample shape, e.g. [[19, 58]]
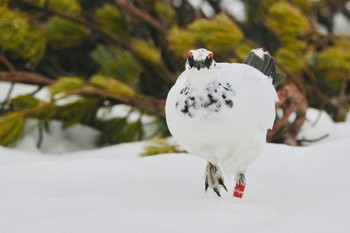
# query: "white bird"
[[221, 112]]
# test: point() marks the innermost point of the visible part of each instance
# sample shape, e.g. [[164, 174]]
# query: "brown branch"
[[25, 77], [291, 101], [341, 112], [7, 63], [11, 68], [144, 16], [148, 104], [296, 79], [314, 88]]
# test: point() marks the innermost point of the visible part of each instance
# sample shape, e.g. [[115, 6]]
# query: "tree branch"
[[144, 16], [25, 77], [7, 63], [11, 68], [296, 79], [148, 104]]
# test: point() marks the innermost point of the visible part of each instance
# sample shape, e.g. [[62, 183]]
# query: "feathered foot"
[[240, 186], [214, 178]]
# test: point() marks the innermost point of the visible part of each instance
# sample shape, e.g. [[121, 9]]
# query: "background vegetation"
[[97, 54]]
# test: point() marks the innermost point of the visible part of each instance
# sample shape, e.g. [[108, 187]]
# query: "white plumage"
[[221, 112]]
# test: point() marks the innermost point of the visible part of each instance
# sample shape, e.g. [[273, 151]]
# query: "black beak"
[[199, 64]]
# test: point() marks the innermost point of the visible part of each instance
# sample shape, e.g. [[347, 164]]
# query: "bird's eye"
[[210, 55], [190, 54]]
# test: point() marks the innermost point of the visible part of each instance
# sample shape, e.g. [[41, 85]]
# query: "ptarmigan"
[[221, 112]]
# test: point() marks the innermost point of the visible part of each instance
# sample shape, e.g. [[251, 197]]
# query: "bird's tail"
[[263, 61]]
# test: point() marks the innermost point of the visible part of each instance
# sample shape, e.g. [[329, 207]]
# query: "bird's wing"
[[255, 94], [264, 62]]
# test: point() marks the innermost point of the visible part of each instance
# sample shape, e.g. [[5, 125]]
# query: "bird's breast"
[[206, 100]]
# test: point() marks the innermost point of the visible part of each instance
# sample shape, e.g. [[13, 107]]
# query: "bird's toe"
[[214, 178]]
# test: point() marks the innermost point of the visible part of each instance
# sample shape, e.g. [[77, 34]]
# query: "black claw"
[[221, 182], [217, 192], [206, 183], [241, 180]]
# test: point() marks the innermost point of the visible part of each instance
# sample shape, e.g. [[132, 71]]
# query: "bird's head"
[[200, 59]]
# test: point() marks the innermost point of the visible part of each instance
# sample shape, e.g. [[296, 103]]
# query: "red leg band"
[[239, 191]]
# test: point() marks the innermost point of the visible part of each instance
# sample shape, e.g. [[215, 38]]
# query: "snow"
[[111, 189], [290, 189], [70, 186], [341, 24], [317, 124], [57, 140]]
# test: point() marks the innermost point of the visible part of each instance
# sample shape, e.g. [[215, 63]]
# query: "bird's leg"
[[214, 178], [240, 185]]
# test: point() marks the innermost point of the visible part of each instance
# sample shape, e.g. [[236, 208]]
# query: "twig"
[[215, 4], [144, 16], [296, 79], [37, 90], [7, 63], [313, 124], [312, 140], [11, 68], [315, 90], [197, 13], [40, 136], [8, 95], [342, 97]]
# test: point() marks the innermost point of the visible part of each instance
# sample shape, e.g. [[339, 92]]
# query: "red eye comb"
[[190, 54], [210, 55]]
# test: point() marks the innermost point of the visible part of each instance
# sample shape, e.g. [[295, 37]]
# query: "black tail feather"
[[266, 65]]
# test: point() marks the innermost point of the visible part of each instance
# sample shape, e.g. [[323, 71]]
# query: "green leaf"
[[333, 64], [335, 58], [81, 111], [165, 10], [65, 85], [63, 33], [159, 146], [119, 130], [147, 51], [110, 17], [286, 20], [11, 128], [113, 85], [218, 34], [117, 62], [66, 6], [24, 102], [45, 113], [19, 36], [292, 60], [181, 40]]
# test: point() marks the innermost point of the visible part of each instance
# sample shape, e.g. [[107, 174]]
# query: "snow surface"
[[290, 189], [112, 189]]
